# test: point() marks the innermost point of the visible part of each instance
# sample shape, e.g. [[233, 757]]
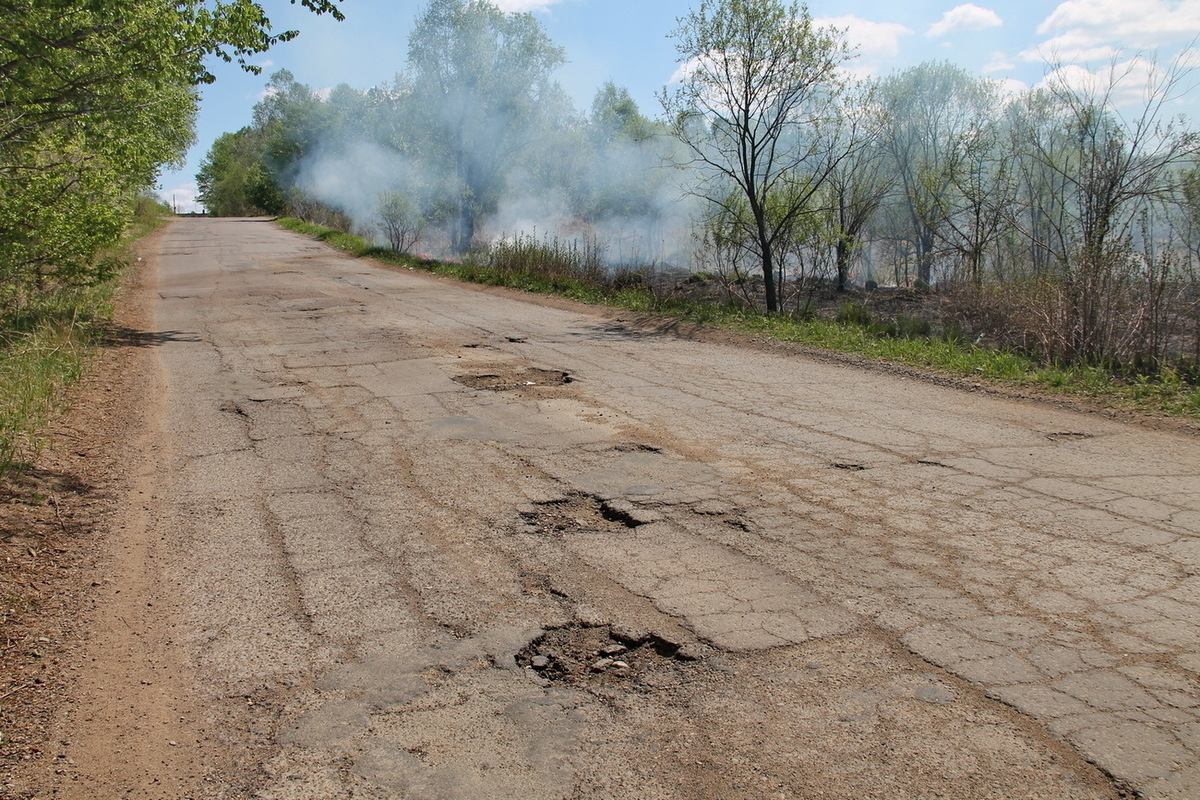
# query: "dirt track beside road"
[[406, 538]]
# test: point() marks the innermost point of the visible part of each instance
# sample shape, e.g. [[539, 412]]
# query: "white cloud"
[[1189, 58], [520, 6], [686, 70], [999, 62], [870, 40], [1128, 83], [1011, 88], [182, 198], [967, 17], [1066, 49], [1090, 30], [873, 39]]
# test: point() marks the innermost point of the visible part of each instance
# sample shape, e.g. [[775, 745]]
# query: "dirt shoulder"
[[72, 529]]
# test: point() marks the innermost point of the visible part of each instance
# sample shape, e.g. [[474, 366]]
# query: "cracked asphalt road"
[[423, 540]]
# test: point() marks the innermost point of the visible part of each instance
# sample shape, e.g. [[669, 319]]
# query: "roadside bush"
[[548, 257], [852, 313], [904, 327]]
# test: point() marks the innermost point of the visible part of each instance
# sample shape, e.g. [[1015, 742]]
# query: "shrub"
[[852, 313]]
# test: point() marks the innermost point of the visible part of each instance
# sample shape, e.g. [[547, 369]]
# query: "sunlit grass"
[[46, 340], [545, 273]]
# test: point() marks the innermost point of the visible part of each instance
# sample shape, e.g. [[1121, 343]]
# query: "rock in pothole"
[[582, 655]]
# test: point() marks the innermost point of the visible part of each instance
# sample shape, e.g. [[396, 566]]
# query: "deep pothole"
[[505, 379], [602, 655], [581, 513]]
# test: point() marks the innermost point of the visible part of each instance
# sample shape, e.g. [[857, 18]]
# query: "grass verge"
[[1167, 393], [45, 345]]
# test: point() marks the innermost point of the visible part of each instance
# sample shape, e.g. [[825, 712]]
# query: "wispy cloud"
[[999, 62], [873, 39], [1091, 30], [967, 17], [1127, 83]]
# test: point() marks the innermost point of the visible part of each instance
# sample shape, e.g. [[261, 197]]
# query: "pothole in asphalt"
[[231, 407], [635, 447], [581, 655], [848, 466], [1067, 436], [504, 379], [581, 513]]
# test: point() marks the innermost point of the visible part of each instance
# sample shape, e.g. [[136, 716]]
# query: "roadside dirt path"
[[398, 538]]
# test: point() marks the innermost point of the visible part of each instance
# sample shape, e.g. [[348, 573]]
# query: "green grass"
[[45, 344], [40, 356], [901, 342]]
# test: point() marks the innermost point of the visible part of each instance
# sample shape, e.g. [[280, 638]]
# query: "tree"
[[616, 116], [400, 217], [1112, 163], [621, 181], [858, 182], [983, 192], [485, 77], [759, 82], [931, 107], [233, 178], [97, 96]]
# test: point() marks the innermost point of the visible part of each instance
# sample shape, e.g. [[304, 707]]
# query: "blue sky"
[[628, 42]]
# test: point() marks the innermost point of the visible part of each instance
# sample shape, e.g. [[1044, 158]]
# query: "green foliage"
[[98, 96], [233, 179], [615, 115], [761, 82], [854, 314], [548, 257], [41, 354]]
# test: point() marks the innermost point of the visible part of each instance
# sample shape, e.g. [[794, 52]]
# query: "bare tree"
[[1114, 162], [858, 182], [400, 217], [760, 82], [930, 107]]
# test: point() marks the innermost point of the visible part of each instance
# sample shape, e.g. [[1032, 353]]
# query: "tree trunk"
[[768, 257], [843, 264], [464, 228], [925, 258]]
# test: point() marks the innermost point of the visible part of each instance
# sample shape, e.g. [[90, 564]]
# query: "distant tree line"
[[1063, 220], [476, 129], [97, 96]]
